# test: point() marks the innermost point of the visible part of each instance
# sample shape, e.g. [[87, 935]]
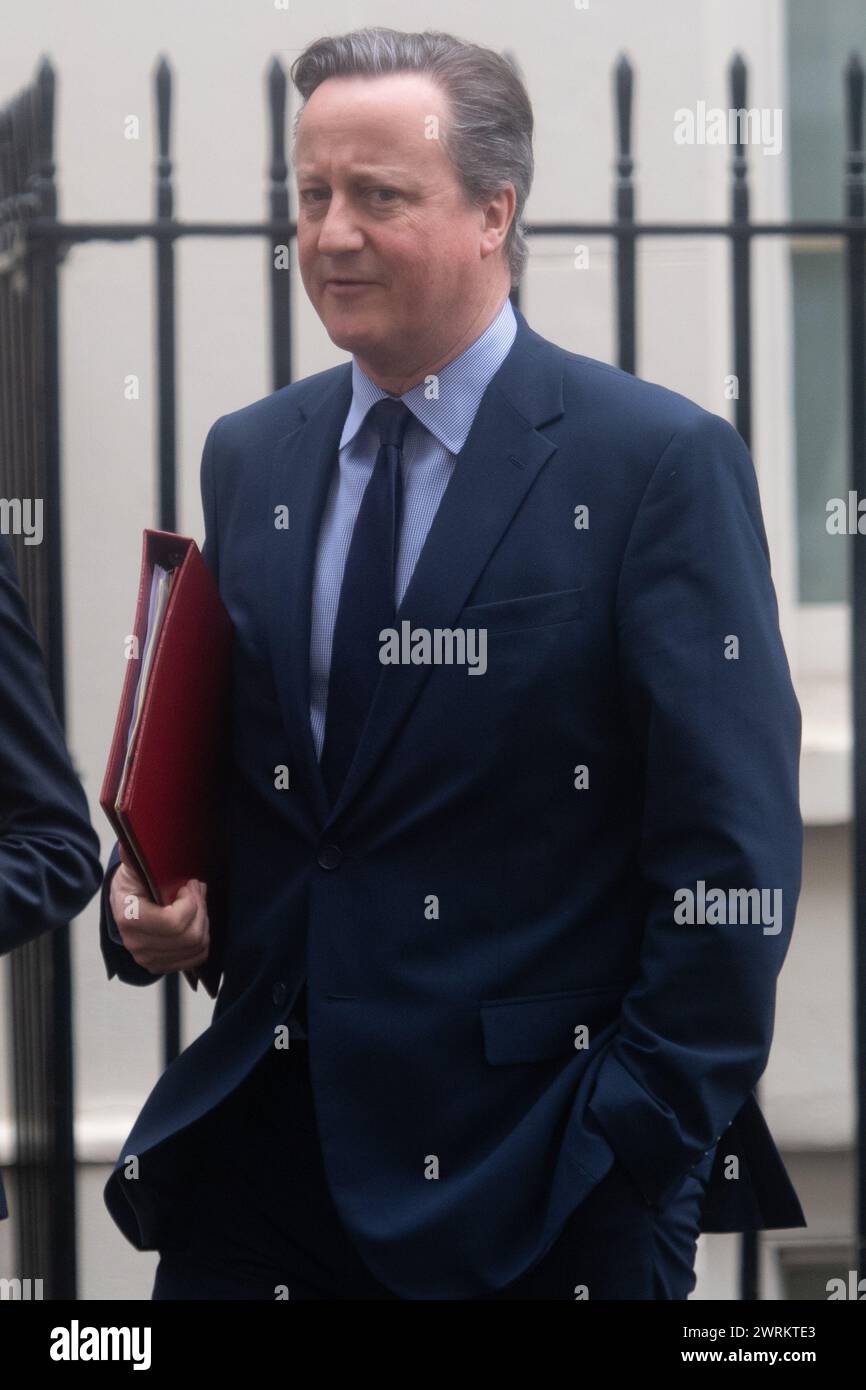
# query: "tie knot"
[[390, 418]]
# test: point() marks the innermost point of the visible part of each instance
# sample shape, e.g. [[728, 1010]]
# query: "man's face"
[[379, 201]]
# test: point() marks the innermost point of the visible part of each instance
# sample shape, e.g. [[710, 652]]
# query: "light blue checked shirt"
[[434, 437]]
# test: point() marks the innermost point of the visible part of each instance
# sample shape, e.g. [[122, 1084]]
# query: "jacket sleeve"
[[118, 960], [49, 851], [707, 694]]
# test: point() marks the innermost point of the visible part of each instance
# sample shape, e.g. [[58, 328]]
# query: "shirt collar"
[[462, 383]]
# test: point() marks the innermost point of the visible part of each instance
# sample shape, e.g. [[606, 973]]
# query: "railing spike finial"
[[738, 76], [279, 267], [624, 89], [42, 99], [511, 59], [626, 284], [163, 91], [738, 83], [854, 84], [276, 73], [162, 87], [277, 91], [45, 71]]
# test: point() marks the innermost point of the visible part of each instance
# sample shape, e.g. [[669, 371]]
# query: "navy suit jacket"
[[49, 851], [468, 903]]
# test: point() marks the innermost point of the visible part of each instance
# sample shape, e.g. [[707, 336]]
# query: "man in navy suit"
[[49, 851], [515, 845]]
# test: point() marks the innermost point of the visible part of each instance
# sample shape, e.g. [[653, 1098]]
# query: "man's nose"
[[338, 229]]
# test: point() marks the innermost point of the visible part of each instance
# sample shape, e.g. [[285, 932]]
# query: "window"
[[820, 38]]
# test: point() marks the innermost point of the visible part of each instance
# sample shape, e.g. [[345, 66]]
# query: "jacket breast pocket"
[[536, 1027], [529, 610]]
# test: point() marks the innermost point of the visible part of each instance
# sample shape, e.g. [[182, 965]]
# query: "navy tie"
[[366, 598]]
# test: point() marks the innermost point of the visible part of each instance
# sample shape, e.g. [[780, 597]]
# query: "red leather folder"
[[170, 813]]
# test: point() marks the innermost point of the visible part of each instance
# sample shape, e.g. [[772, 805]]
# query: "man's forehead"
[[360, 168], [395, 108], [377, 127], [385, 92], [395, 153]]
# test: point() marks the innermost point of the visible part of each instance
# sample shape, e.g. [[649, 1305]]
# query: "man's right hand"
[[161, 939]]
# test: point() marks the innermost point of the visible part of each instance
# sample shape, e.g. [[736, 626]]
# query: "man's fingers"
[[129, 867], [127, 879], [166, 922], [175, 937], [160, 939], [160, 959]]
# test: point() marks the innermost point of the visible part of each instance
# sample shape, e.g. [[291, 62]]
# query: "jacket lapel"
[[301, 469], [495, 469]]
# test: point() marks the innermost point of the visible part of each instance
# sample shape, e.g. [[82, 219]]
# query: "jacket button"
[[330, 856], [278, 993]]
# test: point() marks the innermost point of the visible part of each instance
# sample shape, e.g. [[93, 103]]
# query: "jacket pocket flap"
[[529, 610], [537, 1026]]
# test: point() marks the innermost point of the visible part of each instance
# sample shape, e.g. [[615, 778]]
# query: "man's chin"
[[348, 333]]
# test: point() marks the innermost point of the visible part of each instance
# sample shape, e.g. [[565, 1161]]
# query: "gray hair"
[[488, 131]]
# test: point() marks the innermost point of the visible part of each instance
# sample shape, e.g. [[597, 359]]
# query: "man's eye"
[[309, 194], [391, 192]]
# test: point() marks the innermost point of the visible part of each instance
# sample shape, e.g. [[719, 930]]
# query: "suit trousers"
[[246, 1213]]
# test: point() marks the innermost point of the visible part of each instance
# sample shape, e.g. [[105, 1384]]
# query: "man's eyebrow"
[[376, 171]]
